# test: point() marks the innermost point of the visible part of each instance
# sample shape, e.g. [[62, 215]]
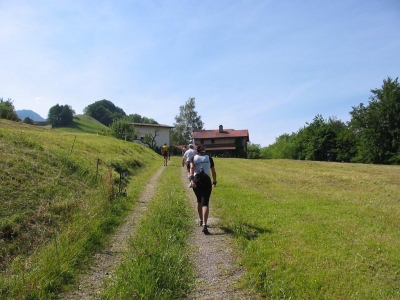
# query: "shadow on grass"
[[246, 231]]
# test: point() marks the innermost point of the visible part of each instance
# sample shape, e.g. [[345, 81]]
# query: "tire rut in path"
[[214, 261], [106, 260]]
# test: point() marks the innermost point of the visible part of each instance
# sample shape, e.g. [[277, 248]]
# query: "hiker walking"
[[187, 157], [201, 170], [164, 152]]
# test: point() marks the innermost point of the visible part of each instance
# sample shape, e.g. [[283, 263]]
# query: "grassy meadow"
[[313, 230], [301, 229]]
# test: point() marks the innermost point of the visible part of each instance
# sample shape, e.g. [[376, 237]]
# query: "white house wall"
[[162, 134]]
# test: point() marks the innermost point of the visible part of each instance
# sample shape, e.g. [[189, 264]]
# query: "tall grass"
[[312, 230], [58, 204], [157, 264]]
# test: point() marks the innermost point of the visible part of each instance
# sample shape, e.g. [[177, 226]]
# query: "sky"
[[269, 66]]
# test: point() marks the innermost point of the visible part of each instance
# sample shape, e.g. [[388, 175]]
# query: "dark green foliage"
[[285, 147], [7, 110], [104, 111], [372, 135], [378, 125], [60, 115], [253, 150], [318, 141]]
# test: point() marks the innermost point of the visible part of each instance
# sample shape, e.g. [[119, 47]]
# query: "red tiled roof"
[[215, 134]]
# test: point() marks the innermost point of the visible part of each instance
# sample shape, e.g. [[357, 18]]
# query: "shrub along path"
[[217, 273], [90, 283]]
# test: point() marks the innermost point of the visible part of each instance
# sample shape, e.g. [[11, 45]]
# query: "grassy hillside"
[[86, 124], [58, 196]]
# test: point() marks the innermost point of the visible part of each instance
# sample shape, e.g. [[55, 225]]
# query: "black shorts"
[[165, 153], [203, 192], [188, 166]]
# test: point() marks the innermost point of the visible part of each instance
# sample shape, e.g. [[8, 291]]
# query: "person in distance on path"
[[201, 169], [164, 153], [187, 157]]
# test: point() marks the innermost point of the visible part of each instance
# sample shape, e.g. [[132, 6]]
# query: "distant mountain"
[[23, 113]]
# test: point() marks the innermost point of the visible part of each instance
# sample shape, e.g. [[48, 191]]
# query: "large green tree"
[[123, 129], [377, 125], [7, 110], [60, 115], [317, 140], [104, 111], [186, 122]]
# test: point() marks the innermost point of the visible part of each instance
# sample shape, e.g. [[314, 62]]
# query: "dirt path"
[[212, 255], [90, 284], [214, 260]]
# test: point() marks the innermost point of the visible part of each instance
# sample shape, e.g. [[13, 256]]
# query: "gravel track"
[[212, 255], [217, 273]]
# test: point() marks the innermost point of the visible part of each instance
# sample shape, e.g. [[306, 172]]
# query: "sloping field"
[[86, 124], [59, 199]]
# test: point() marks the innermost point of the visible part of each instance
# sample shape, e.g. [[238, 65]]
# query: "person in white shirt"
[[201, 170], [188, 156]]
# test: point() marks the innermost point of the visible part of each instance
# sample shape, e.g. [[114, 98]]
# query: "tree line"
[[371, 136]]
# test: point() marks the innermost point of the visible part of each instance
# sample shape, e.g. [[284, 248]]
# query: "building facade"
[[223, 142], [160, 133]]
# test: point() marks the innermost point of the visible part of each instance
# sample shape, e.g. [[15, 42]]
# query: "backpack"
[[200, 177]]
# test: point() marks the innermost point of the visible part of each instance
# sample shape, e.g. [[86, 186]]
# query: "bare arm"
[[214, 176], [191, 174]]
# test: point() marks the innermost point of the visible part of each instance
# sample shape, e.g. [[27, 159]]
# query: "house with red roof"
[[223, 142]]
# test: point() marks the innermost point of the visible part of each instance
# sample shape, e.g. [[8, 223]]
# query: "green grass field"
[[302, 230], [313, 230]]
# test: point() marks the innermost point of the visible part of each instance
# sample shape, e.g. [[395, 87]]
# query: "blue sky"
[[265, 66]]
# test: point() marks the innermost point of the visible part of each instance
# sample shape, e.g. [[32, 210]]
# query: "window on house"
[[212, 141], [202, 141]]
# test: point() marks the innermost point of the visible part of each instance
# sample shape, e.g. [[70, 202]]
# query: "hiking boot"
[[205, 229], [201, 222]]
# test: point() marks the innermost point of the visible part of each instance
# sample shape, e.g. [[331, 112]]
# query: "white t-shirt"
[[189, 154], [204, 162]]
